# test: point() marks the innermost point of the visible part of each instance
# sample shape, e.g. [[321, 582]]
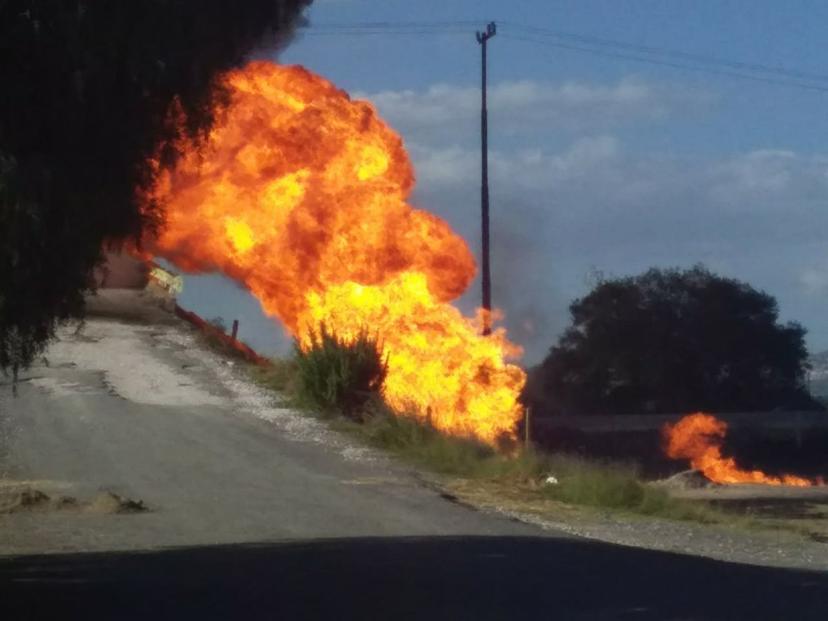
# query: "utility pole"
[[482, 38]]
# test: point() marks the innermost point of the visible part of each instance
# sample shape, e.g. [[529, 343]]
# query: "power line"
[[386, 24], [387, 28], [608, 48], [339, 33], [668, 63], [677, 54], [366, 32]]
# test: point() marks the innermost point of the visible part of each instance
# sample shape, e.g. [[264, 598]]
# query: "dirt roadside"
[[780, 542]]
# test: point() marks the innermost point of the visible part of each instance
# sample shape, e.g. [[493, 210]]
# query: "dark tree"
[[674, 341], [86, 90]]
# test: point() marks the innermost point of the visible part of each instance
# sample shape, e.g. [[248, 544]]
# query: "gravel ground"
[[738, 543]]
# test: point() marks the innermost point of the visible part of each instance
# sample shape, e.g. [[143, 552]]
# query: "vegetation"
[[341, 375], [281, 375], [606, 485], [87, 91], [338, 376], [673, 341], [618, 486]]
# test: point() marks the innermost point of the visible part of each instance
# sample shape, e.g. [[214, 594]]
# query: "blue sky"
[[598, 164]]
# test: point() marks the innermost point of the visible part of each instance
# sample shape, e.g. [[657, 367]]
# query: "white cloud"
[[572, 190], [529, 169], [759, 216], [775, 180], [523, 106]]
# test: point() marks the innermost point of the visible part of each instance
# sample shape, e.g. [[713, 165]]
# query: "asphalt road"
[[145, 412], [258, 512], [407, 578]]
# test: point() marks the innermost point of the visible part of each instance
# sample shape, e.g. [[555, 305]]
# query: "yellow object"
[[168, 280]]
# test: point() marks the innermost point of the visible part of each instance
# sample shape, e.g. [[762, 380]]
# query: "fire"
[[698, 437], [301, 194]]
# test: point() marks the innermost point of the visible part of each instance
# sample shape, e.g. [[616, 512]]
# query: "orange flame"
[[301, 194], [698, 437]]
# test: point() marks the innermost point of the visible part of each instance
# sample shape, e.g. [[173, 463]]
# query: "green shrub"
[[338, 375], [594, 484], [614, 485], [417, 440]]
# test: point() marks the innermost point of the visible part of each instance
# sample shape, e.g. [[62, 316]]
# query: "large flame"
[[301, 194], [698, 437]]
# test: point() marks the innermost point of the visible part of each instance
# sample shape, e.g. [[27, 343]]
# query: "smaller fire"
[[698, 437]]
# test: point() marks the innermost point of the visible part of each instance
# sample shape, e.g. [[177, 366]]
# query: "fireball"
[[301, 195]]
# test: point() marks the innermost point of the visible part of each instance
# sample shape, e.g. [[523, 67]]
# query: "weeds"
[[422, 443], [339, 375], [606, 485], [281, 375], [614, 485]]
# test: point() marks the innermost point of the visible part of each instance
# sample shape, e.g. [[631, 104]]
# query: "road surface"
[[145, 411], [256, 511]]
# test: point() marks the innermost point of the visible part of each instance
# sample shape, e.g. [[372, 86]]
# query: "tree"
[[674, 341], [84, 106]]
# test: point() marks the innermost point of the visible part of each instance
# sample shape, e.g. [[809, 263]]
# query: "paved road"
[[273, 516], [408, 578], [145, 412]]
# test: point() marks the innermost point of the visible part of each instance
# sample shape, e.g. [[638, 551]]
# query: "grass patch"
[[281, 375], [334, 376], [604, 485], [613, 485], [421, 443]]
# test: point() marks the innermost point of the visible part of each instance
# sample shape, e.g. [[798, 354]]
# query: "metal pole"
[[482, 38], [235, 329], [527, 432]]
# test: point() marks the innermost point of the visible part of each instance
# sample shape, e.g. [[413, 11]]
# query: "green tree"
[[87, 86], [674, 341]]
